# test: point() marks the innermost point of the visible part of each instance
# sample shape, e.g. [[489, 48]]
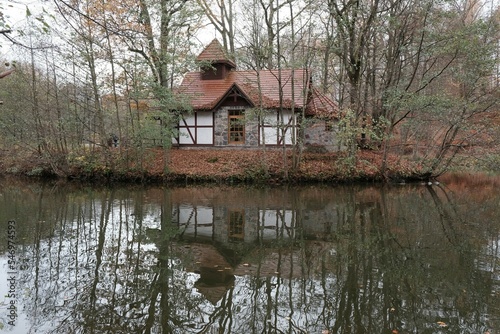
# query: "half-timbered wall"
[[205, 128], [278, 128], [196, 129]]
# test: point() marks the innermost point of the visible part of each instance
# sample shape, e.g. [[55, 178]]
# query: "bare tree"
[[222, 19]]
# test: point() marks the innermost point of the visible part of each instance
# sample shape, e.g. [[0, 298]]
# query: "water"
[[350, 259]]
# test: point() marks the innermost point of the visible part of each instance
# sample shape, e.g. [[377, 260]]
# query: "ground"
[[244, 165], [222, 165]]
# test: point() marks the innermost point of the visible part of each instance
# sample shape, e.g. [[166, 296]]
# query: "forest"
[[416, 81]]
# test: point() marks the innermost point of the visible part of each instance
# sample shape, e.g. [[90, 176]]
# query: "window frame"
[[236, 117], [236, 225]]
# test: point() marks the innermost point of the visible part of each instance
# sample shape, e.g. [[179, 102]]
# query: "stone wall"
[[319, 138], [221, 128]]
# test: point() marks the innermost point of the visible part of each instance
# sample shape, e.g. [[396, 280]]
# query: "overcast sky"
[[15, 16]]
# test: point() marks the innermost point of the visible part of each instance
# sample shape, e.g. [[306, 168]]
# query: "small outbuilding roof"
[[320, 105]]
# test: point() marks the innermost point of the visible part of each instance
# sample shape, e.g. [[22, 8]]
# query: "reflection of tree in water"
[[401, 269], [81, 277], [387, 260]]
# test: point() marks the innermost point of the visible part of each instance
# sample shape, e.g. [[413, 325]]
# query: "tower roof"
[[215, 53]]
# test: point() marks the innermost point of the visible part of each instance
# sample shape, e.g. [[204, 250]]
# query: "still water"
[[198, 259]]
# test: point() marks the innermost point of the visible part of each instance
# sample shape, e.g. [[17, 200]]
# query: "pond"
[[219, 259]]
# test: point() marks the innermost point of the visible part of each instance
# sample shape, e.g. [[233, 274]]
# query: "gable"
[[235, 97]]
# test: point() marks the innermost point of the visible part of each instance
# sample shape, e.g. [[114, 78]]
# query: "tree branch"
[[6, 73]]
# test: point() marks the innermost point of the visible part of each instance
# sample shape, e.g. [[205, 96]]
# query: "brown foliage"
[[257, 164]]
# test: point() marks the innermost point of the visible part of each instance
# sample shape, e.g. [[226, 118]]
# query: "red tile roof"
[[214, 53], [320, 105], [206, 94]]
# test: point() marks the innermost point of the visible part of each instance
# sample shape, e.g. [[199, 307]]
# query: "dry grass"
[[471, 179]]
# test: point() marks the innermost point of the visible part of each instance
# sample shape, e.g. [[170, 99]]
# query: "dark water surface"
[[343, 259]]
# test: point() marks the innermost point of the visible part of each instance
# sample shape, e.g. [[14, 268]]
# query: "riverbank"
[[220, 166]]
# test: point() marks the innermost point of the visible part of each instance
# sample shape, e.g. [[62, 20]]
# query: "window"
[[236, 225], [236, 127]]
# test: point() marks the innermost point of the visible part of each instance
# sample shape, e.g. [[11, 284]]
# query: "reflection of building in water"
[[258, 213], [252, 224], [227, 235], [216, 274], [217, 269], [225, 224], [251, 215]]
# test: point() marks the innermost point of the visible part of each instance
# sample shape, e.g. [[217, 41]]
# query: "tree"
[[356, 22], [4, 26], [397, 56], [223, 22], [442, 84], [166, 51]]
